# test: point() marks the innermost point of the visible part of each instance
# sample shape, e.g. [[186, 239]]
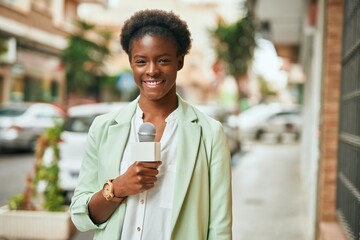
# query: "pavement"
[[268, 202]]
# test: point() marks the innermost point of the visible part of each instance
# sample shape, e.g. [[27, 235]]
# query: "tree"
[[84, 57], [235, 43], [3, 47]]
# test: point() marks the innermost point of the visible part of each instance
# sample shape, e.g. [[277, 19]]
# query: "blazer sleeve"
[[87, 186], [220, 225]]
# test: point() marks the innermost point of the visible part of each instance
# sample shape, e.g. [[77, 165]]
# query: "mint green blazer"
[[202, 205]]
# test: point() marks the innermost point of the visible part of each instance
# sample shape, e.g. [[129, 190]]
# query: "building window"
[[18, 5], [43, 6]]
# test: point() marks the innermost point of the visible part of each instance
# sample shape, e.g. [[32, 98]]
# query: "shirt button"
[[142, 201], [138, 228]]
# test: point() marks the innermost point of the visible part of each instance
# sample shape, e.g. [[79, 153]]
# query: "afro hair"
[[156, 23]]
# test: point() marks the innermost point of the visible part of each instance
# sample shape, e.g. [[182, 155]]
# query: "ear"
[[180, 62]]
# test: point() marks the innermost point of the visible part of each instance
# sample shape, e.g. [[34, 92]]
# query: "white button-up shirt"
[[148, 214]]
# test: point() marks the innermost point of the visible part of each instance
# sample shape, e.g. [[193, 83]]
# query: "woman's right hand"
[[139, 177]]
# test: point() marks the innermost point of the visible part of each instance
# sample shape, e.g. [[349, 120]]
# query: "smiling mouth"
[[153, 83]]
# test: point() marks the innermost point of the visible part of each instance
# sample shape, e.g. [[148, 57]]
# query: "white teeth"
[[153, 83]]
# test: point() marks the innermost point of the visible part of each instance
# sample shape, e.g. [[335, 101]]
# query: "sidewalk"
[[267, 198]]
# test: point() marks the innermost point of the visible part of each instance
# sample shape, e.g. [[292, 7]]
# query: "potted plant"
[[38, 212]]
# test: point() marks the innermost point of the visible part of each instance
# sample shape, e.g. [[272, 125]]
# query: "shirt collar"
[[172, 116]]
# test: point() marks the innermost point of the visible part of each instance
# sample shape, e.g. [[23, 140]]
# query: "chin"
[[157, 97], [152, 97]]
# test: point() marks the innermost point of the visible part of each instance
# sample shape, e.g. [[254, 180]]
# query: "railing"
[[348, 180]]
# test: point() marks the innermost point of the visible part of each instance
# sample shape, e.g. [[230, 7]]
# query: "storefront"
[[35, 39], [33, 77], [36, 76]]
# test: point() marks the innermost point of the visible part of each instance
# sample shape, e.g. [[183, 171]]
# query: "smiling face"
[[155, 63]]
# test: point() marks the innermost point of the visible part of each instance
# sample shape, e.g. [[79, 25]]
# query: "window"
[[19, 5]]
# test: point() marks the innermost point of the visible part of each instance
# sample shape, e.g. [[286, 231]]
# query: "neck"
[[157, 110]]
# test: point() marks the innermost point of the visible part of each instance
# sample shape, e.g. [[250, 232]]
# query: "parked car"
[[273, 118], [73, 138], [22, 123], [284, 122], [227, 120]]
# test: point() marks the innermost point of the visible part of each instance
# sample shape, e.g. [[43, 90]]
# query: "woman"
[[186, 195]]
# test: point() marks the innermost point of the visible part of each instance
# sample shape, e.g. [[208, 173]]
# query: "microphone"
[[147, 132], [146, 150]]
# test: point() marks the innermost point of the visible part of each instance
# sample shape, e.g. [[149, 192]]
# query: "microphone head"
[[147, 132]]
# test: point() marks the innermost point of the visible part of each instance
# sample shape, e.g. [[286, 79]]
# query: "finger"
[[144, 171], [151, 171], [146, 187], [153, 165], [149, 185], [147, 179]]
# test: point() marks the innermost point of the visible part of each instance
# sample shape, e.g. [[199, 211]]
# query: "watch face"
[[107, 189]]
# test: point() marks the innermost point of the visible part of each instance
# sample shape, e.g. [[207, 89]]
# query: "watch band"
[[118, 199]]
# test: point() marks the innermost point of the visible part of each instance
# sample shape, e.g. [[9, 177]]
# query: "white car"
[[227, 120], [73, 140], [273, 118], [22, 123]]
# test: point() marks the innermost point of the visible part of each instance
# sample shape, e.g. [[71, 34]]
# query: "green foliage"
[[83, 58], [109, 82], [53, 194], [235, 44], [15, 201], [52, 198], [3, 46]]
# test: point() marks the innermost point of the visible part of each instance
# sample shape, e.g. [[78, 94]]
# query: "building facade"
[[339, 197], [33, 35], [333, 101], [331, 167], [328, 51]]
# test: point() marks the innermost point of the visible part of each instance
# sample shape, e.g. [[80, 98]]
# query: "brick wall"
[[330, 110], [329, 121]]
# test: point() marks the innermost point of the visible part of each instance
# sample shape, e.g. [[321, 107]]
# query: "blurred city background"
[[281, 75]]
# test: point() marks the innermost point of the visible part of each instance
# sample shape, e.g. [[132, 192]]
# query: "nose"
[[152, 69]]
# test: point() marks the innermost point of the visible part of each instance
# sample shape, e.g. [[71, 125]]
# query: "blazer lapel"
[[118, 134], [188, 142]]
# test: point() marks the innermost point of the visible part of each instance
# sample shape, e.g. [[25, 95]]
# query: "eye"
[[164, 60], [139, 62]]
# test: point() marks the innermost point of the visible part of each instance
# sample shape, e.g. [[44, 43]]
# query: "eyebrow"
[[161, 55]]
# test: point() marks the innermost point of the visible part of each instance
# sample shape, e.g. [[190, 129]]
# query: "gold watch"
[[108, 192]]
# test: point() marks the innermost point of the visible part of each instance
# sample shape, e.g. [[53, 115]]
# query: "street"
[[14, 168]]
